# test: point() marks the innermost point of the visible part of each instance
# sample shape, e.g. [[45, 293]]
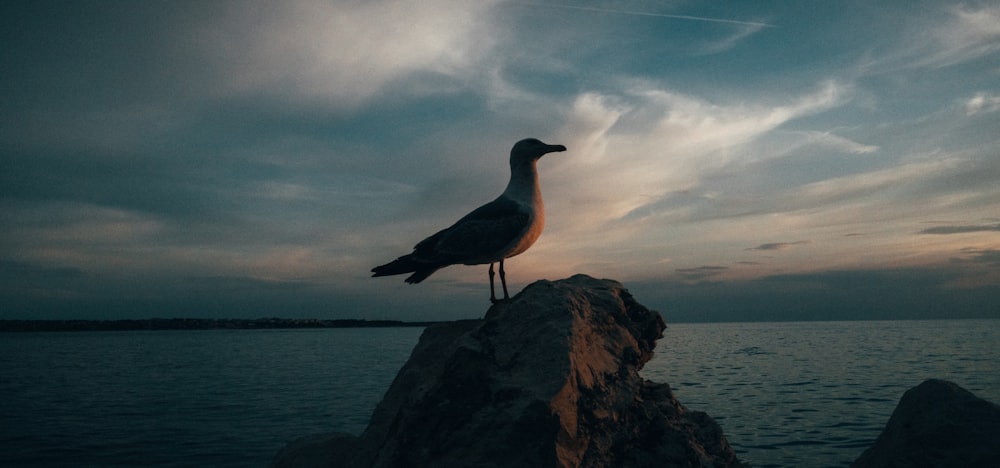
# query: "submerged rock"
[[937, 424], [547, 379]]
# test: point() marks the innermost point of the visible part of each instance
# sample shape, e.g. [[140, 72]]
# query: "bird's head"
[[530, 149]]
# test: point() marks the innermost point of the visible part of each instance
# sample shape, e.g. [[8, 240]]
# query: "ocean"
[[804, 394]]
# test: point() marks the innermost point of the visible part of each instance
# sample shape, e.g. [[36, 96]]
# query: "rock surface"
[[937, 424], [547, 379]]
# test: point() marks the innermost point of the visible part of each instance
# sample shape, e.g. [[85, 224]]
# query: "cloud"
[[25, 272], [651, 142], [49, 226], [853, 198], [632, 154], [32, 282], [842, 294], [970, 33], [290, 146], [778, 245], [741, 28], [341, 52], [643, 13], [733, 40], [701, 273], [839, 143], [963, 34], [864, 184], [231, 285], [978, 268], [982, 103], [989, 257], [961, 229]]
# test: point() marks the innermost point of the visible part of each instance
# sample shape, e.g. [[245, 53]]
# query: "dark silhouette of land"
[[195, 324]]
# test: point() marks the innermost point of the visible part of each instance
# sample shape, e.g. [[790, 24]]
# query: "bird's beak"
[[555, 149]]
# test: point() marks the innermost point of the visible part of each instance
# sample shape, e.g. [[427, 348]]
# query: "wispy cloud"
[[961, 229], [982, 103], [865, 184], [959, 34], [731, 41], [633, 137], [615, 11], [778, 245], [839, 143], [969, 33], [985, 256]]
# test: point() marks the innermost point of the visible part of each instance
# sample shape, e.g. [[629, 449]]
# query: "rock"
[[547, 379], [937, 424]]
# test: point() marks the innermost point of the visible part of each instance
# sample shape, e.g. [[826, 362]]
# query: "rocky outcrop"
[[547, 379], [937, 424]]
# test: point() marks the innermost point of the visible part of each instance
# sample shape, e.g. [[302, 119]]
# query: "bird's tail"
[[403, 265]]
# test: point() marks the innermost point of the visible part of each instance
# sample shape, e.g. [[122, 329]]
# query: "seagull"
[[500, 229]]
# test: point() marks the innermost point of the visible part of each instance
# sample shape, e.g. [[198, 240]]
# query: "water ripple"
[[816, 394]]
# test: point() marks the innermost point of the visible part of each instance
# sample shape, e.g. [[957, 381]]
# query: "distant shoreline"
[[196, 324]]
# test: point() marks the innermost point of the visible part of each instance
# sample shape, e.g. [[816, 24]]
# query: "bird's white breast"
[[529, 238], [524, 190]]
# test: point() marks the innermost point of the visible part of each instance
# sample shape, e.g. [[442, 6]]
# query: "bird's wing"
[[480, 235]]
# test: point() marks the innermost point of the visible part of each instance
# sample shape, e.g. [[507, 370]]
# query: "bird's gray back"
[[485, 235]]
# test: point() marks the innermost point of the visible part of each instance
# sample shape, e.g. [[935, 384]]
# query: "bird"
[[498, 230]]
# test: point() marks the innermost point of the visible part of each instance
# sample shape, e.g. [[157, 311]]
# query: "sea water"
[[221, 398], [786, 394], [816, 394]]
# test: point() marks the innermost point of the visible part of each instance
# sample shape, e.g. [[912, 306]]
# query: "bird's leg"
[[493, 297], [503, 281]]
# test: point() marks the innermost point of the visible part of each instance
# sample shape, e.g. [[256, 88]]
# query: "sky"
[[727, 161]]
